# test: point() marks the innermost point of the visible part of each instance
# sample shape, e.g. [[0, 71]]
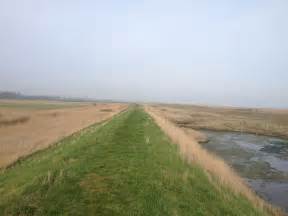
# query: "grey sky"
[[213, 52]]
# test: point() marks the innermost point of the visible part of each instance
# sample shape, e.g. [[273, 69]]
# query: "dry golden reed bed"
[[24, 131], [216, 168], [270, 122]]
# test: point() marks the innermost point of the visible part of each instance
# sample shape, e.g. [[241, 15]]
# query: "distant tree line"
[[19, 96]]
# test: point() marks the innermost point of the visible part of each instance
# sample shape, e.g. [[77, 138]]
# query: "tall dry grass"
[[25, 131], [270, 122], [14, 121], [192, 151]]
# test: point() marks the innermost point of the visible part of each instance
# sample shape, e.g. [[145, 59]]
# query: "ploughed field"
[[27, 126], [125, 166]]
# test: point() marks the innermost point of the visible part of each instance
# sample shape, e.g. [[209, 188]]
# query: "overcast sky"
[[207, 52]]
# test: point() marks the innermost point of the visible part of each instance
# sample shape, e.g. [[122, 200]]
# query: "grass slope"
[[125, 167]]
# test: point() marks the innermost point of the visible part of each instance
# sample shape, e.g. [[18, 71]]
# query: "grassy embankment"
[[125, 167], [26, 130]]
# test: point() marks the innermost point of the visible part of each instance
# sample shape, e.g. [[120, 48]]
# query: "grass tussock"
[[216, 168]]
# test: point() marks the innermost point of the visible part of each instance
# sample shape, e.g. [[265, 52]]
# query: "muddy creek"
[[261, 160]]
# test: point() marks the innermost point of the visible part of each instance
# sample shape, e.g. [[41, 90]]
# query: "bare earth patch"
[[94, 183]]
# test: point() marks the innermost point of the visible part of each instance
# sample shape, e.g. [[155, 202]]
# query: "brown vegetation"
[[24, 131], [9, 122], [216, 168], [270, 122], [106, 110]]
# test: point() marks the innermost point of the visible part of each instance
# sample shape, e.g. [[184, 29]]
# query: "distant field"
[[38, 104], [124, 167], [27, 126], [271, 122]]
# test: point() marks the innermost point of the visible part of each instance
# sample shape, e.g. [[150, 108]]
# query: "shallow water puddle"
[[261, 160]]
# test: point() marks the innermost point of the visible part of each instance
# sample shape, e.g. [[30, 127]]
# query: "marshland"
[[143, 108]]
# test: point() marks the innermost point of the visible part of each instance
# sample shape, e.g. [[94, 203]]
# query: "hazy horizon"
[[199, 52]]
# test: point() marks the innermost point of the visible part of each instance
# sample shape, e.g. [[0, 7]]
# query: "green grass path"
[[125, 167]]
